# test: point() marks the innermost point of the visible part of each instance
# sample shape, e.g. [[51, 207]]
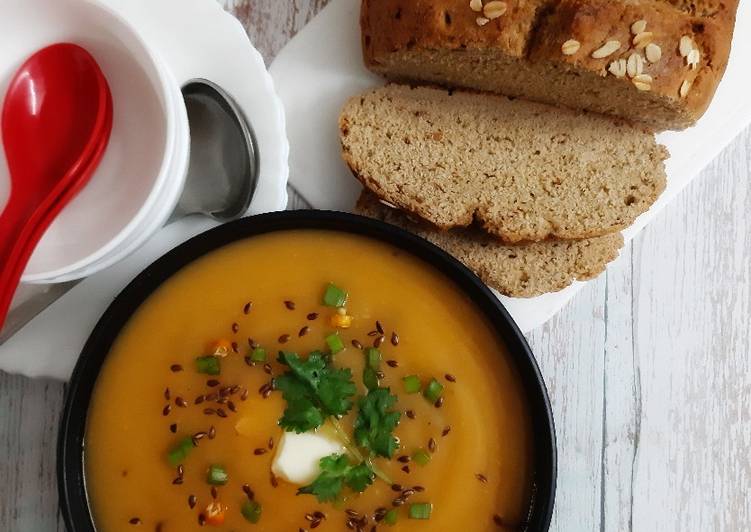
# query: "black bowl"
[[70, 466]]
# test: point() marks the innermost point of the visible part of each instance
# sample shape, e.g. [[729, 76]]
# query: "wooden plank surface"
[[648, 368]]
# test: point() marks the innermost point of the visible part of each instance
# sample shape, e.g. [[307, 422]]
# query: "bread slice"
[[552, 51], [525, 171], [525, 270]]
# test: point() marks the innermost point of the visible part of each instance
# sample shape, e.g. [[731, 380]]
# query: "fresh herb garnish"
[[251, 511], [333, 296], [420, 510], [314, 390], [433, 390], [180, 452], [337, 472], [208, 365], [375, 422], [216, 475]]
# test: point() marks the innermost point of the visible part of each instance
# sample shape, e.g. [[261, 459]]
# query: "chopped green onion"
[[258, 355], [420, 510], [421, 457], [251, 511], [217, 476], [334, 296], [370, 378], [390, 517], [208, 365], [180, 451], [433, 390], [335, 343], [412, 383], [373, 358]]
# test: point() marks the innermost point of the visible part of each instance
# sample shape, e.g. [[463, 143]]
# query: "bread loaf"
[[653, 61], [525, 171], [526, 270]]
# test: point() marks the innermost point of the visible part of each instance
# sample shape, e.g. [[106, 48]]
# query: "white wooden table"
[[649, 368]]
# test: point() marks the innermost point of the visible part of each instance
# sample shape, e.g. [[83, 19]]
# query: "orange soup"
[[307, 380]]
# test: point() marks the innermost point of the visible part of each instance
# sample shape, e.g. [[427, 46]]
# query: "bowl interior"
[[143, 123], [73, 497]]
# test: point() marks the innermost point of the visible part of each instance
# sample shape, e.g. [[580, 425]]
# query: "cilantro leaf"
[[337, 472], [375, 423], [314, 390]]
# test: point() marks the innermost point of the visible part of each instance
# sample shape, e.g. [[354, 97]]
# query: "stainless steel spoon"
[[224, 164]]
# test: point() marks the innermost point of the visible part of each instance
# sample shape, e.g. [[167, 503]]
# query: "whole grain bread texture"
[[525, 270], [525, 171], [657, 62]]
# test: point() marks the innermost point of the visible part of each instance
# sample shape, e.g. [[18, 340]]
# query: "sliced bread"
[[525, 171], [525, 270], [653, 61]]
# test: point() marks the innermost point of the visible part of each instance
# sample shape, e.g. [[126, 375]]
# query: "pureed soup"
[[307, 380]]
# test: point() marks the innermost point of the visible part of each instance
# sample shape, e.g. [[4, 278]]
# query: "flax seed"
[[214, 493], [173, 428], [167, 409], [212, 383], [273, 480], [200, 399], [248, 492], [432, 445], [482, 478], [356, 344], [231, 406], [283, 339], [392, 363], [182, 403], [220, 412], [290, 305], [312, 316], [405, 468], [305, 330], [209, 411], [175, 368], [450, 377], [260, 451], [247, 307], [244, 394], [394, 339], [404, 458], [166, 394], [445, 431], [439, 402], [201, 520], [235, 328], [135, 521], [270, 444], [410, 414], [192, 500], [212, 432]]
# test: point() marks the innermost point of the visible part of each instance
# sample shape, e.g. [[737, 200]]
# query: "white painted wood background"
[[649, 368]]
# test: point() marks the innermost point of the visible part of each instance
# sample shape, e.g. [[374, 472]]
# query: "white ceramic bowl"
[[131, 181], [169, 195]]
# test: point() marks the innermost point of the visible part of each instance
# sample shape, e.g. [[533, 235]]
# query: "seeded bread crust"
[[525, 171], [517, 271], [521, 52]]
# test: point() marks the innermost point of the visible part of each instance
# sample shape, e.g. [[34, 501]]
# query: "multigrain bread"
[[652, 61], [525, 171], [525, 270]]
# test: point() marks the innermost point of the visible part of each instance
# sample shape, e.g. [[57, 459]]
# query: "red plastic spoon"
[[56, 122]]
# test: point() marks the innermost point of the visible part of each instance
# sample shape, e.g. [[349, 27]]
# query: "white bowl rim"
[[170, 195]]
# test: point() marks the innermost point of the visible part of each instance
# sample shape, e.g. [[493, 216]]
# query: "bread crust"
[[531, 34], [527, 270]]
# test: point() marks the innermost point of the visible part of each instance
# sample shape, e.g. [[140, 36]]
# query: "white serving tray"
[[322, 66]]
